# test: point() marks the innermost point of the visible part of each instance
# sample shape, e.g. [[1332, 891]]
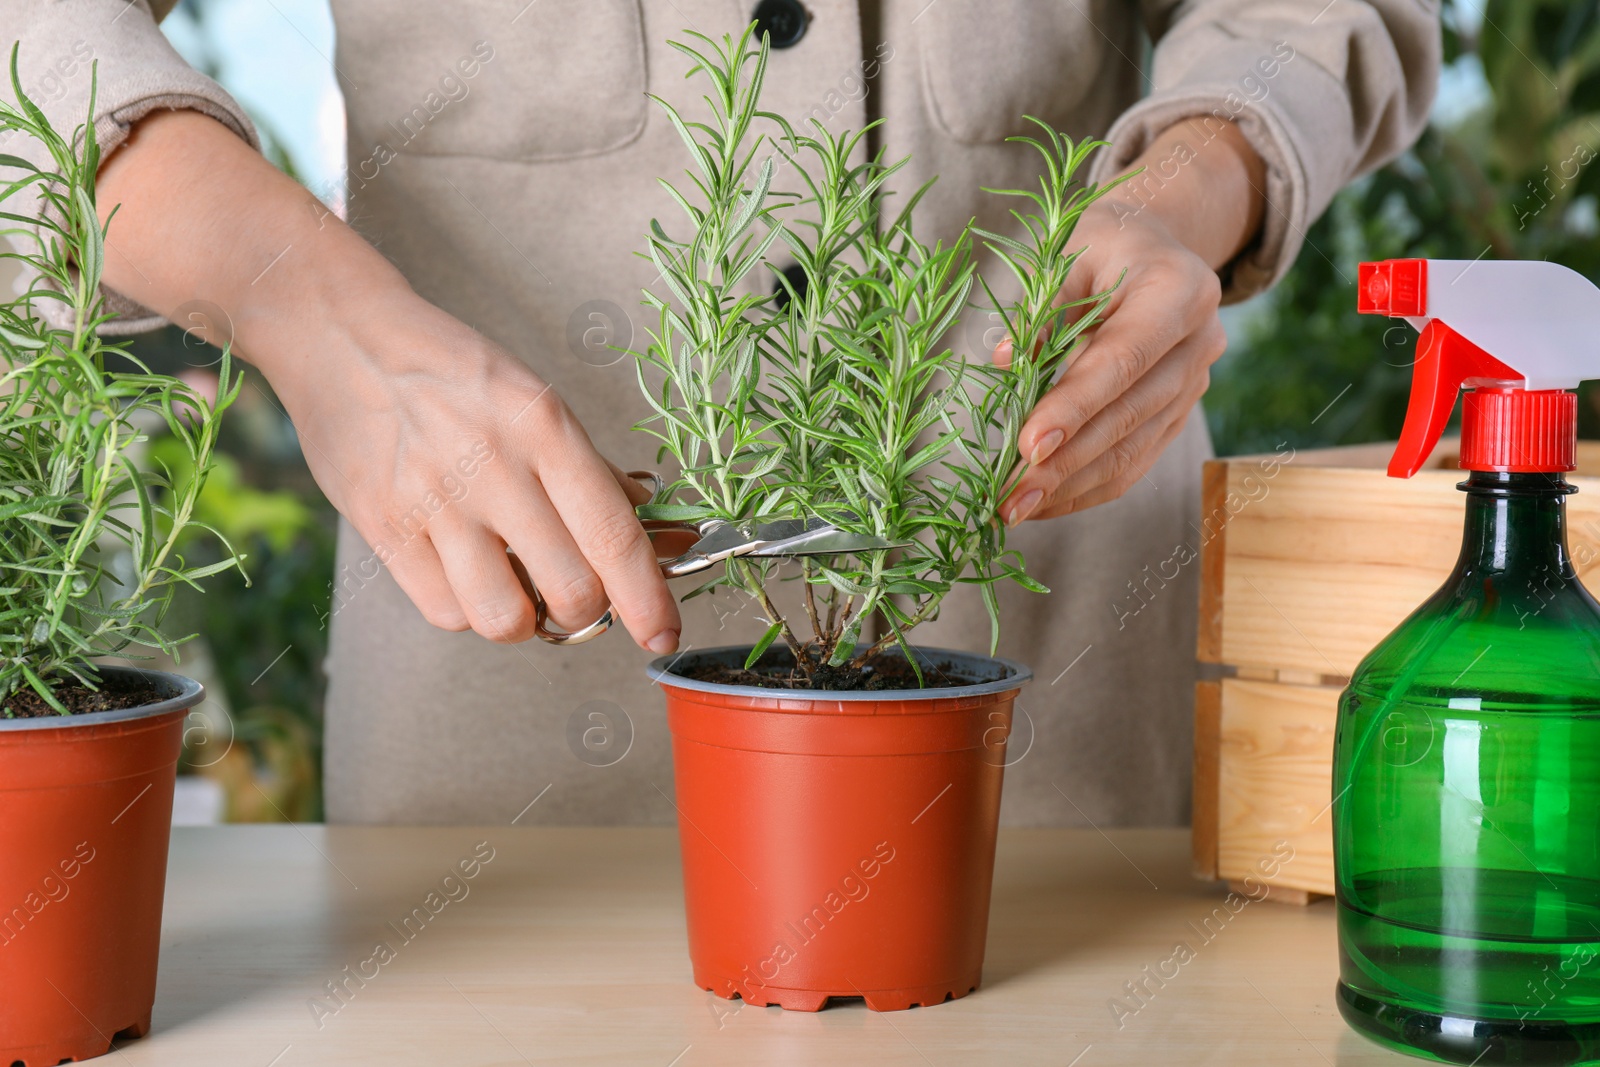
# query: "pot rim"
[[1017, 675], [186, 693]]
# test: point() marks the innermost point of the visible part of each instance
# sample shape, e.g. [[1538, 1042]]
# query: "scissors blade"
[[730, 539], [815, 537], [723, 541], [827, 541], [786, 537]]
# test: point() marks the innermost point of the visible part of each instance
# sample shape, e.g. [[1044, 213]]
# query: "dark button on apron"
[[796, 276], [784, 21]]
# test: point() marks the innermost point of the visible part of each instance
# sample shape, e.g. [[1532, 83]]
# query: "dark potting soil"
[[114, 694], [886, 671]]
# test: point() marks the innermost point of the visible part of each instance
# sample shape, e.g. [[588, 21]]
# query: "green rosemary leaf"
[[673, 512], [762, 645]]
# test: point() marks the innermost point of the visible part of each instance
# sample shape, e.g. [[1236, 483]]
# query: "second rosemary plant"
[[89, 536], [841, 399]]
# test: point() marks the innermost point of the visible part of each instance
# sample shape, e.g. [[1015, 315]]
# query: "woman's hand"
[[440, 447], [1128, 392], [443, 450]]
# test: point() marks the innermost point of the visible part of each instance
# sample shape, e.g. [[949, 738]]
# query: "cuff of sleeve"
[[1286, 119], [112, 128], [137, 72]]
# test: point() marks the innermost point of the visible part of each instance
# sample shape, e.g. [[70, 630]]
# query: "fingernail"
[[664, 642], [1047, 446], [1002, 353], [1025, 507]]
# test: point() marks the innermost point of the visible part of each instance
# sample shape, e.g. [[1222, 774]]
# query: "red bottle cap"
[[1519, 431]]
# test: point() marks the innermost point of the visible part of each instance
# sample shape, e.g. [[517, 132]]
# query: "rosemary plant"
[[87, 539], [840, 399]]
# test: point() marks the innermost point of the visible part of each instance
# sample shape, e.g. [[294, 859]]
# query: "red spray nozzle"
[[1539, 319], [1393, 287], [1445, 361]]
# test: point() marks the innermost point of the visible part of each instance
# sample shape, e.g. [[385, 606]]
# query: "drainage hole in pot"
[[18, 1063]]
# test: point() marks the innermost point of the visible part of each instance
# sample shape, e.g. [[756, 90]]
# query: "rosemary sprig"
[[88, 559], [843, 400]]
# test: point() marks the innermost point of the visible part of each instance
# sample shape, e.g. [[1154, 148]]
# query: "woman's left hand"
[[1129, 391]]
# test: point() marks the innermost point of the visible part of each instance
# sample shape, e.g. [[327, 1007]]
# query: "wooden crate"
[[1308, 560]]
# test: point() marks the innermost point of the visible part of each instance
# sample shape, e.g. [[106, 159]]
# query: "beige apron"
[[515, 199], [503, 155]]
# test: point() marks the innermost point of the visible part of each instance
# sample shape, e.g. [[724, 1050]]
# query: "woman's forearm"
[[200, 216], [1204, 182]]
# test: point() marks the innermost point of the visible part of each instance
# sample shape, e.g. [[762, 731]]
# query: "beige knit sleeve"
[[1325, 90], [67, 44]]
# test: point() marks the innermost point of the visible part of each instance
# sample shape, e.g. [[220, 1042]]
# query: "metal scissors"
[[720, 540]]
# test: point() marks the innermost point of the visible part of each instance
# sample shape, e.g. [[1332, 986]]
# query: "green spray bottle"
[[1466, 772]]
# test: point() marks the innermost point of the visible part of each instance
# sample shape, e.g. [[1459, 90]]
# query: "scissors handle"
[[691, 562], [688, 563], [677, 567], [567, 637]]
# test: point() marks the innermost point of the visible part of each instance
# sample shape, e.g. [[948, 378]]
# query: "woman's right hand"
[[441, 448]]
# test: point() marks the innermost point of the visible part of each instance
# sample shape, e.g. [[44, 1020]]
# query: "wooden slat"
[[1375, 455], [1275, 767], [1213, 557], [1322, 563], [1207, 735]]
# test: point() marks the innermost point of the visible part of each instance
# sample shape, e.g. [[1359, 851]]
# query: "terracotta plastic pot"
[[839, 844], [85, 816]]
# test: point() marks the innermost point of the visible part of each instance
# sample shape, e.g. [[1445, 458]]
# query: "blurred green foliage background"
[[1511, 177], [1506, 174], [262, 638]]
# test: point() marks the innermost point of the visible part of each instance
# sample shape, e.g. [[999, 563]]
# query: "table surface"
[[569, 948]]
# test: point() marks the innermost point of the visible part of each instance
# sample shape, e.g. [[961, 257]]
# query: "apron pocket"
[[557, 80], [986, 65]]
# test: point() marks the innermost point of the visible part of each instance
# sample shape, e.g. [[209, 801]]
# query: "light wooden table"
[[569, 948]]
